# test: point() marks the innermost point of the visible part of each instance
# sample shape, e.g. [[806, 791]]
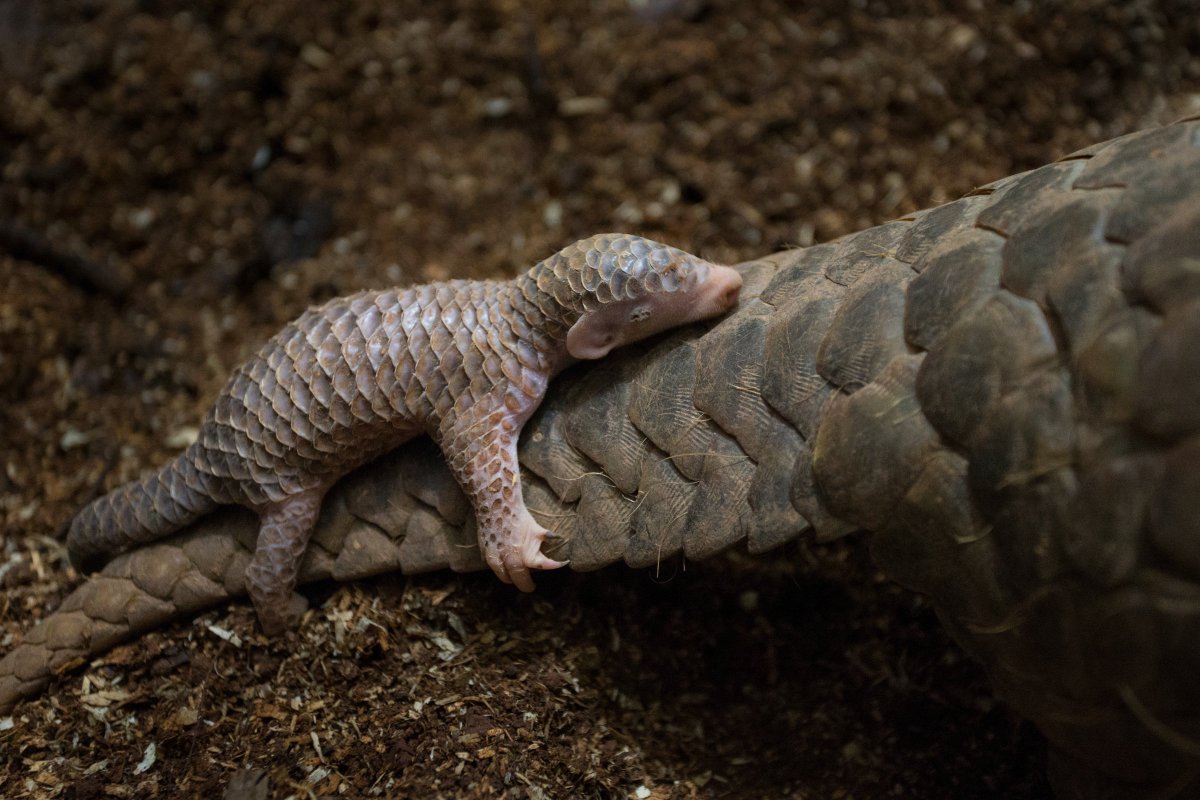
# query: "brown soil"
[[181, 178]]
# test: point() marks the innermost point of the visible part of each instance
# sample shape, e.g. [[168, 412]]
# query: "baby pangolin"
[[466, 362]]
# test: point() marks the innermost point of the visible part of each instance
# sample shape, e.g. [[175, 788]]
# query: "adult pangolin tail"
[[139, 512]]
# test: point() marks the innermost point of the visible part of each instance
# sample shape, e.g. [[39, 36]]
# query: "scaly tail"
[[143, 511]]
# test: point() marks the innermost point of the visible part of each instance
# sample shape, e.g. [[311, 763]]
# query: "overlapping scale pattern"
[[356, 376], [1021, 433]]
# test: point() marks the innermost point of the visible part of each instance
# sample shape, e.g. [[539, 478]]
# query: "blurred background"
[[180, 178]]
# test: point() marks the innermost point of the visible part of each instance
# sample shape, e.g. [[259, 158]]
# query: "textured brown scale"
[[1025, 455]]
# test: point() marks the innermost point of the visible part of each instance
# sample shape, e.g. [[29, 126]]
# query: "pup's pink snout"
[[726, 287]]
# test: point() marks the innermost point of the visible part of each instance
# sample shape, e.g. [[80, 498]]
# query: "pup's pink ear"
[[592, 336]]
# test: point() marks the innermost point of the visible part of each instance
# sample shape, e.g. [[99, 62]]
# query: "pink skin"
[[593, 336], [618, 324]]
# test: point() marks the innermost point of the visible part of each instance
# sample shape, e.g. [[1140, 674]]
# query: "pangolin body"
[[465, 361]]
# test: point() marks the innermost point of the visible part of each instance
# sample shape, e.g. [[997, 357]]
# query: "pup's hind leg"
[[271, 576]]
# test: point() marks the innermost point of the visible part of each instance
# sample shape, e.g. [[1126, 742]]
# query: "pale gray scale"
[[426, 369], [232, 435], [417, 403], [440, 405], [609, 264], [431, 314], [653, 282], [300, 430], [381, 399], [397, 346], [354, 349], [208, 433], [492, 369], [214, 486], [450, 347], [305, 432], [315, 327], [244, 395], [457, 382], [483, 312], [604, 294], [528, 355], [339, 412], [439, 335], [344, 387], [498, 331], [293, 340], [360, 305], [224, 410], [423, 295], [616, 285], [442, 296], [469, 320], [672, 281], [255, 432], [251, 493], [478, 388], [322, 391], [451, 316], [282, 438], [514, 372], [360, 408], [327, 353], [220, 410], [448, 363], [479, 342], [502, 328], [589, 279], [402, 382], [575, 281], [190, 475], [545, 283], [261, 474], [271, 403], [416, 396], [305, 363], [564, 294], [342, 321], [385, 376], [469, 356], [378, 341], [358, 404], [388, 299], [629, 263], [227, 461], [414, 332], [371, 392], [322, 436], [265, 413]]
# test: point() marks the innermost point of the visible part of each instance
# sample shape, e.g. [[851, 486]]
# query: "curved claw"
[[513, 556]]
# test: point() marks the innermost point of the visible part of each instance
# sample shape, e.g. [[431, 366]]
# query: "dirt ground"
[[180, 178]]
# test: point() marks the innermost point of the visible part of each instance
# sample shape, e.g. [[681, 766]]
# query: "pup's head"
[[617, 289]]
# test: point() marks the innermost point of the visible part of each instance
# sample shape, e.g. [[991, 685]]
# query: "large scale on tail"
[[466, 362]]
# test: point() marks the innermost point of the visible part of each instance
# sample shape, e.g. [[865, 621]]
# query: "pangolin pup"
[[466, 362]]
